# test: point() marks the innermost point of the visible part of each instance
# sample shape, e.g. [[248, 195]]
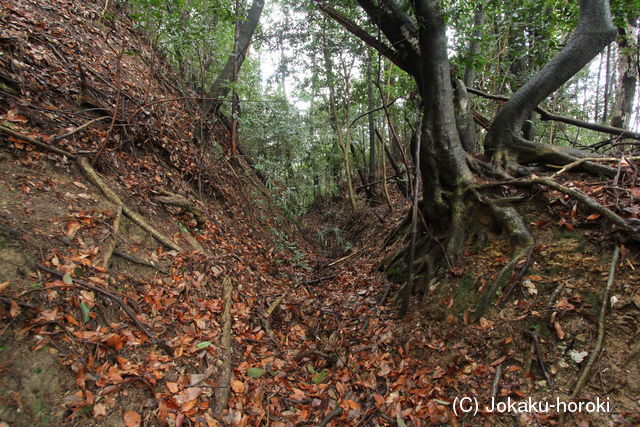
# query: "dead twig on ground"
[[536, 342], [94, 288], [78, 129], [496, 382], [35, 142]]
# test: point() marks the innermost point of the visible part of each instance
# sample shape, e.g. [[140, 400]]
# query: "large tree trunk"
[[420, 48], [222, 86], [627, 78], [444, 172], [594, 32]]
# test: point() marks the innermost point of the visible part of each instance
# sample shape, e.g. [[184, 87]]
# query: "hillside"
[[148, 277]]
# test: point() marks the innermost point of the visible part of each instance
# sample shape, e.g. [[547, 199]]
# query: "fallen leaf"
[[237, 386], [3, 286], [71, 228], [132, 418], [558, 328], [499, 361], [99, 410]]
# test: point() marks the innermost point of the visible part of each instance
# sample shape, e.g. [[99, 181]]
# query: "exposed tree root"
[[112, 242], [37, 143], [576, 194], [514, 225], [601, 320], [521, 151], [96, 179], [222, 396], [138, 261], [183, 203]]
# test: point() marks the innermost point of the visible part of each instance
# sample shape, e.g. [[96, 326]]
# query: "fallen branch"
[[78, 129], [37, 143], [496, 382], [343, 258], [222, 396], [95, 178], [114, 297], [603, 309], [320, 279]]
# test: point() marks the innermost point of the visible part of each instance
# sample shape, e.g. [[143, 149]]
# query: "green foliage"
[[282, 242]]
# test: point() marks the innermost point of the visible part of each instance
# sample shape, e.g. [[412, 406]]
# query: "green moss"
[[464, 295]]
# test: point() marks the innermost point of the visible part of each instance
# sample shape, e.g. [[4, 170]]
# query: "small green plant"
[[326, 235], [283, 243]]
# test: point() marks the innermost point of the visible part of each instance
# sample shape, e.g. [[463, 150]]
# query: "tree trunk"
[[372, 135], [222, 85], [627, 78], [343, 138], [594, 32], [474, 45]]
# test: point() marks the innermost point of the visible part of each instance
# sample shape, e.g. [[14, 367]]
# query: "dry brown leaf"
[[558, 328], [132, 418], [99, 410], [237, 386]]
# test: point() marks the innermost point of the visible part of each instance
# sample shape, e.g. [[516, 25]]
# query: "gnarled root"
[[513, 223]]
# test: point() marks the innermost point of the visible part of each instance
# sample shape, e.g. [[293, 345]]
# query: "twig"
[[330, 416], [589, 159], [321, 279], [78, 129], [603, 309], [222, 396], [114, 297], [21, 304], [536, 342], [496, 382], [343, 258], [32, 141]]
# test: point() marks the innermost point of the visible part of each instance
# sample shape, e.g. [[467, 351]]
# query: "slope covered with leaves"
[[304, 320]]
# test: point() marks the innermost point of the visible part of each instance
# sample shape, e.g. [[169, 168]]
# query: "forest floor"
[[313, 327]]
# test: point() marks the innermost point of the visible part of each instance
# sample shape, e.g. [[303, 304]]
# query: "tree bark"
[[627, 78], [474, 45]]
